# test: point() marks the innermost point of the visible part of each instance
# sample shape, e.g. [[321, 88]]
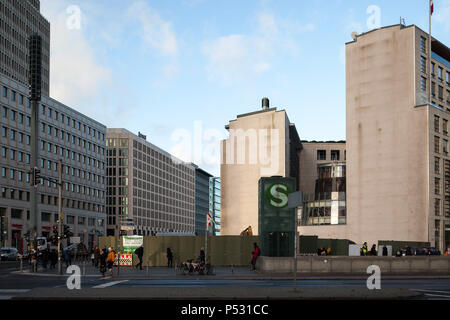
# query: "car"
[[425, 251], [8, 254]]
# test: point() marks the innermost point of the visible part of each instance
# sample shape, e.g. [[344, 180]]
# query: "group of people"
[[373, 251], [103, 259], [323, 252]]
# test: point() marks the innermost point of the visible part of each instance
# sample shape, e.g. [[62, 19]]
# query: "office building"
[[201, 200], [65, 134], [263, 143], [19, 19], [148, 186], [323, 183], [398, 167], [214, 203]]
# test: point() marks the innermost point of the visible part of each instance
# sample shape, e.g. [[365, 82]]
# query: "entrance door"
[[15, 239]]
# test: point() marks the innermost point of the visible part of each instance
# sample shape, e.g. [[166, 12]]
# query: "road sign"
[[127, 228]]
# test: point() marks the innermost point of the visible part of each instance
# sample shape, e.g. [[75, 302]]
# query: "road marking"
[[437, 295], [109, 284], [5, 297], [435, 291]]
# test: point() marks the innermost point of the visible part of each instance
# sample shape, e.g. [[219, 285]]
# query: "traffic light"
[[67, 233], [35, 179]]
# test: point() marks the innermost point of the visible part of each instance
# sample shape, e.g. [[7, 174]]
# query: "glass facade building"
[[214, 202]]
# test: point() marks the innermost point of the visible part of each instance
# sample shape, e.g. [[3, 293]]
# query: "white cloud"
[[156, 32], [76, 73], [238, 57]]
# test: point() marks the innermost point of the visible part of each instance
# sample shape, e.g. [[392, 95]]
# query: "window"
[[423, 84], [13, 115], [447, 77], [437, 165], [321, 154], [445, 146], [335, 155], [440, 71], [423, 44], [437, 186], [433, 89], [423, 64], [436, 144], [4, 112], [432, 68], [13, 95], [437, 207], [436, 123], [45, 217], [5, 92], [441, 92]]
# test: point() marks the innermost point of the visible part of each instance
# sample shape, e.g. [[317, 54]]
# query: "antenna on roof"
[[403, 22]]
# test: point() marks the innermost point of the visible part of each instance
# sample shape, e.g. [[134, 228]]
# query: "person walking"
[[169, 258], [202, 255], [140, 253], [408, 251], [67, 257], [102, 262], [110, 260], [373, 251], [96, 256], [364, 249], [385, 251], [255, 254]]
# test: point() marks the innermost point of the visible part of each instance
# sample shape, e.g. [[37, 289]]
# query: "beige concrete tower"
[[260, 144]]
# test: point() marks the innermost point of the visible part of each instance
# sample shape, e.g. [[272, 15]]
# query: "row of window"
[[58, 116], [14, 194], [61, 134], [17, 175], [72, 155], [335, 155], [15, 155]]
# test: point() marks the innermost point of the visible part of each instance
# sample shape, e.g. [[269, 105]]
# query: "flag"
[[431, 7], [208, 221]]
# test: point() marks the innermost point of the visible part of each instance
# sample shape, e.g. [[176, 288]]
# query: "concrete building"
[[63, 134], [19, 19], [147, 185], [201, 199], [215, 203], [398, 167], [260, 144], [323, 183]]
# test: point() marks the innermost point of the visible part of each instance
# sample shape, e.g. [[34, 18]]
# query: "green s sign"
[[277, 195]]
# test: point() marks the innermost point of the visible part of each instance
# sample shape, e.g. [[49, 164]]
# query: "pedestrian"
[[102, 262], [408, 251], [110, 260], [364, 249], [202, 257], [96, 255], [53, 259], [169, 258], [399, 252], [45, 257], [140, 253], [373, 250], [93, 257], [329, 252], [323, 252], [255, 254], [385, 251], [67, 258]]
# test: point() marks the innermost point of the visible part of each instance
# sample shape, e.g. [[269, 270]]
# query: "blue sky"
[[165, 68]]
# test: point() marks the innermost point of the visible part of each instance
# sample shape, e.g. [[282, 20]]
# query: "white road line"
[[14, 290], [434, 291], [5, 297], [437, 295], [109, 284]]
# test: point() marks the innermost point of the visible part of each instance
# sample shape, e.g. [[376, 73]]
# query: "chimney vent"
[[265, 103]]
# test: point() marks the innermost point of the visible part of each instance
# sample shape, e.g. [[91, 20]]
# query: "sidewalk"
[[223, 273]]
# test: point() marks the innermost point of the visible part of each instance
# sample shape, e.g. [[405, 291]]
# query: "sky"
[[179, 70]]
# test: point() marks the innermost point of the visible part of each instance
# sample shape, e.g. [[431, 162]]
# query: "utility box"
[[276, 221]]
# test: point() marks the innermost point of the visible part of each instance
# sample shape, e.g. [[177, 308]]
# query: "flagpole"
[[431, 4]]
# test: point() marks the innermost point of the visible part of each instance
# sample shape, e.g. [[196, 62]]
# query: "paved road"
[[14, 284]]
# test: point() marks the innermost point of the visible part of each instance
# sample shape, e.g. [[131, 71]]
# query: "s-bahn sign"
[[276, 219]]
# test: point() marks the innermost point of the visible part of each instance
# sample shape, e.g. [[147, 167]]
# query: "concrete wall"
[[387, 140], [315, 264], [239, 179], [222, 250]]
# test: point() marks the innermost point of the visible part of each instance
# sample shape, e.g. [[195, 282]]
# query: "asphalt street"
[[15, 284]]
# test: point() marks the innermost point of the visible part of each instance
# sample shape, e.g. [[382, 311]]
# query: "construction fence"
[[221, 250]]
